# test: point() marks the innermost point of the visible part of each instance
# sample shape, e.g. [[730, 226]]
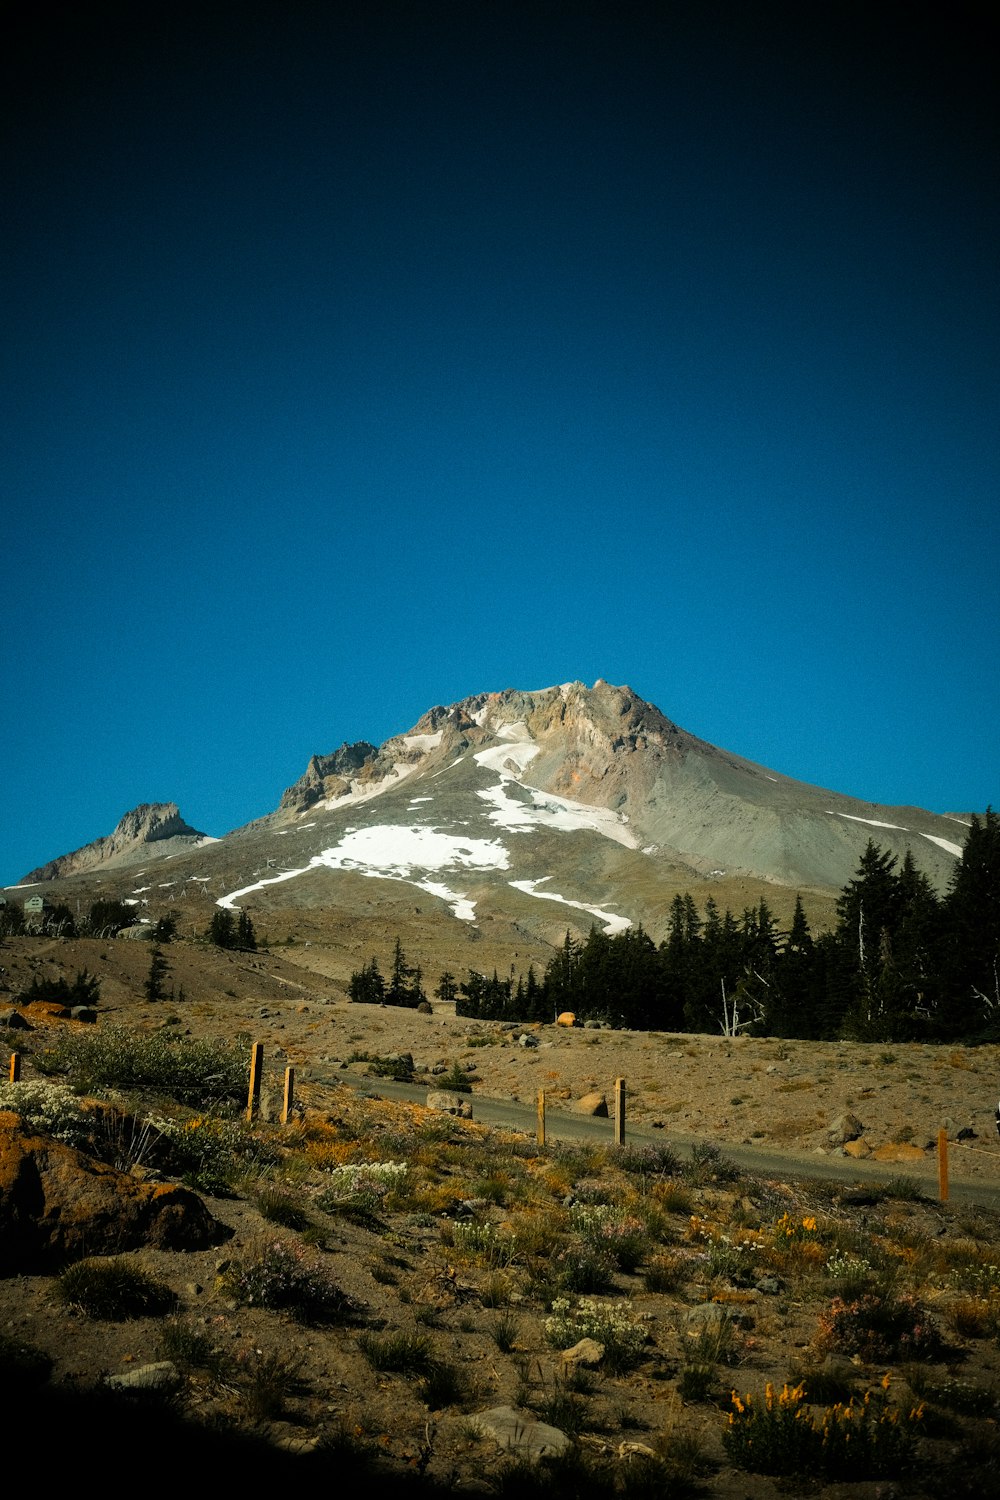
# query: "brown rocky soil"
[[402, 1273]]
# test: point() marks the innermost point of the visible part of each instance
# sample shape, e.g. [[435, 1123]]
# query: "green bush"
[[113, 1289], [401, 1352], [182, 1068]]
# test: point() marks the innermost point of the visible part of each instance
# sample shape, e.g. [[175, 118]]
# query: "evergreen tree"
[[222, 929], [366, 985], [971, 935], [791, 1007], [107, 918], [165, 930], [158, 970], [399, 990], [246, 938], [447, 988]]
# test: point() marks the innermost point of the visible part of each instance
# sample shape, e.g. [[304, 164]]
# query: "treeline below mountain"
[[902, 964]]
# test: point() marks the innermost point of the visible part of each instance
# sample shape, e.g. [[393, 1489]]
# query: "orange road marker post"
[[540, 1132], [256, 1070], [15, 1067], [619, 1111], [943, 1165], [289, 1098]]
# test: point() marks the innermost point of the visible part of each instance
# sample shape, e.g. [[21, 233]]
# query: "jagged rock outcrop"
[[151, 829], [327, 776]]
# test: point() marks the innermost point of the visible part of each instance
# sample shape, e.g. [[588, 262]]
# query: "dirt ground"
[[782, 1096]]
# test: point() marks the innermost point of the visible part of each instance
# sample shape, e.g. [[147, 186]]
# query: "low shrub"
[[360, 1189], [182, 1068], [484, 1244], [50, 1108], [880, 1327], [610, 1324], [279, 1207], [665, 1273], [443, 1385], [266, 1382], [864, 1439], [115, 1289], [401, 1352], [189, 1348], [283, 1277], [503, 1330], [697, 1383], [212, 1153]]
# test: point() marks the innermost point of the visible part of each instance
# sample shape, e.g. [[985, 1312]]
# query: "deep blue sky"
[[359, 358]]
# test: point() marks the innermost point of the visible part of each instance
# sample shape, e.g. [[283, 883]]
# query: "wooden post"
[[540, 1133], [943, 1165], [15, 1067], [289, 1099], [619, 1111], [256, 1069]]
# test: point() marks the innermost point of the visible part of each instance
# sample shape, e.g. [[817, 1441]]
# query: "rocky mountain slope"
[[502, 819]]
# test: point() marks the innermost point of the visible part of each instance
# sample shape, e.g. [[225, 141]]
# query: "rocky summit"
[[153, 828]]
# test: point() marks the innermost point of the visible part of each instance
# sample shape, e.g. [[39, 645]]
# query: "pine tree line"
[[902, 963]]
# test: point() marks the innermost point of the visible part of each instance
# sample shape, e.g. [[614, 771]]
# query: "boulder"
[[449, 1103], [57, 1203], [592, 1104], [521, 1434], [899, 1151], [13, 1020], [846, 1127], [567, 1018], [586, 1352], [163, 1376], [859, 1149]]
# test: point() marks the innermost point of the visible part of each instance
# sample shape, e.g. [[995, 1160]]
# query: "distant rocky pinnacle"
[[148, 831]]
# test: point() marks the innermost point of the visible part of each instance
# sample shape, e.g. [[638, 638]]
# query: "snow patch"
[[614, 923], [872, 822], [946, 844], [364, 791], [424, 741], [461, 906], [397, 852]]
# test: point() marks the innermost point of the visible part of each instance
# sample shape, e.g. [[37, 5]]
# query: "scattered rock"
[[592, 1104], [449, 1103], [899, 1151], [163, 1376], [519, 1433], [586, 1352], [15, 1021], [526, 1040], [845, 1128], [859, 1149]]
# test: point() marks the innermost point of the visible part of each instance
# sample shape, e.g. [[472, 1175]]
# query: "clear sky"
[[356, 358]]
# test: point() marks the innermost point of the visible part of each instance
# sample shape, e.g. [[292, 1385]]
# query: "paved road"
[[561, 1125]]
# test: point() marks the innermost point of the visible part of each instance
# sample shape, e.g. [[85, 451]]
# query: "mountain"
[[150, 830], [496, 822]]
